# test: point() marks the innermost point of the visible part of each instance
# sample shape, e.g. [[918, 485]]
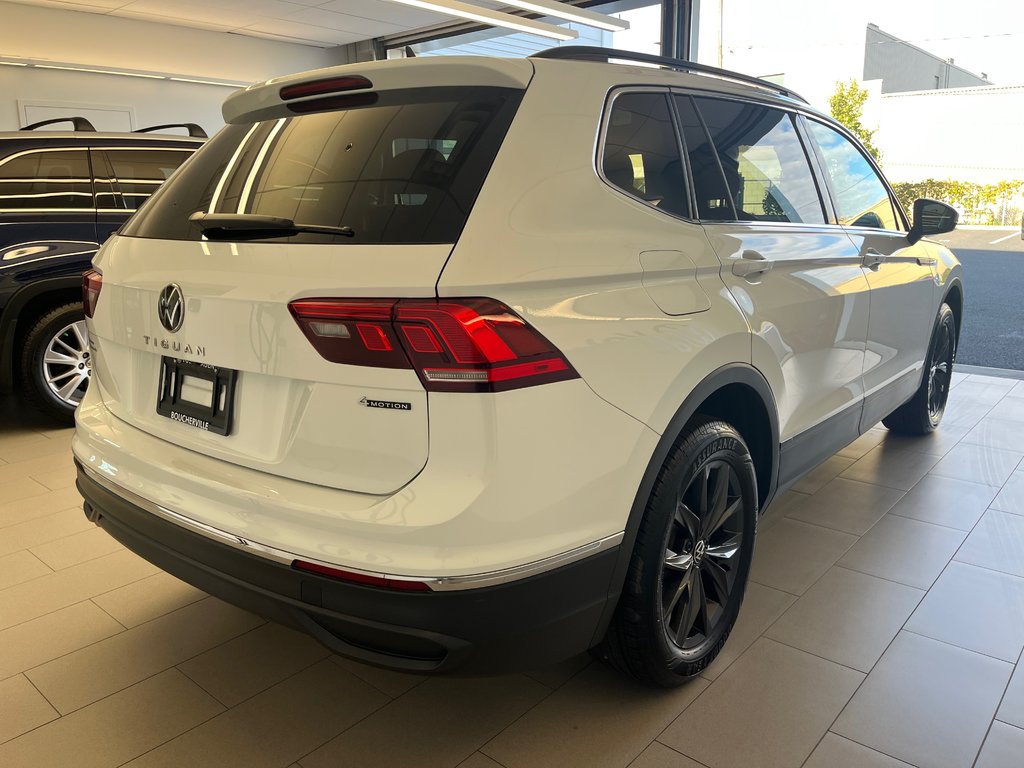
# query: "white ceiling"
[[322, 23]]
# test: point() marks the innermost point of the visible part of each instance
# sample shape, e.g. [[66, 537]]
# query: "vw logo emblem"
[[699, 550], [170, 308]]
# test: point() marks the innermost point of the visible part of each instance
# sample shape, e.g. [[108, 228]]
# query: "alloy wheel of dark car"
[[66, 365]]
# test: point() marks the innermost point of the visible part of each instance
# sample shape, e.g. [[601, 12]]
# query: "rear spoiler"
[[357, 84], [80, 123], [194, 130]]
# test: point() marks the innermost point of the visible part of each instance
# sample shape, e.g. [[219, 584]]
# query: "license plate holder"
[[215, 387]]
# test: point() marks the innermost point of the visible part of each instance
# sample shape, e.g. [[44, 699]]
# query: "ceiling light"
[[13, 64], [98, 71], [571, 13], [206, 82], [493, 18]]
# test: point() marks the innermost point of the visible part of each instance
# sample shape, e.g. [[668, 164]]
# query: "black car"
[[61, 195]]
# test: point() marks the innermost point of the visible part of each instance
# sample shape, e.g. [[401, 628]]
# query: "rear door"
[[794, 275], [901, 276], [191, 329]]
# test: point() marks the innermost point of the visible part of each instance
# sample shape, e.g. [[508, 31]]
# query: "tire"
[[709, 471], [56, 349], [923, 412]]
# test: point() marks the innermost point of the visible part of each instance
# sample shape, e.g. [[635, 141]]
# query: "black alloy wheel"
[[701, 555], [690, 560], [923, 412]]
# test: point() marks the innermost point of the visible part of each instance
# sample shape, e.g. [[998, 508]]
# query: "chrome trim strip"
[[438, 584]]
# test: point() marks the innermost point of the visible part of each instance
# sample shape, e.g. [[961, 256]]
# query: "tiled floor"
[[882, 627]]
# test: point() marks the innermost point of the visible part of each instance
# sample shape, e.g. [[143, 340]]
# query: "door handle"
[[872, 259], [750, 263], [926, 261]]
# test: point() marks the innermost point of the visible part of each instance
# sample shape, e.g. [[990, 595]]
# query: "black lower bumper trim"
[[521, 625]]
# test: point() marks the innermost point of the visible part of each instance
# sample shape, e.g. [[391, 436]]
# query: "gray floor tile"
[[926, 703], [904, 550], [761, 607], [977, 464], [997, 542], [974, 608], [837, 752], [945, 501], [436, 725], [864, 443], [937, 443], [779, 508], [792, 555], [478, 760], [818, 477], [659, 756], [891, 467], [964, 414], [1011, 497], [847, 617], [988, 390], [1012, 709], [388, 681], [559, 674], [116, 729], [23, 707], [1009, 409], [274, 728], [1017, 391], [996, 432], [599, 719], [775, 703], [848, 505], [1004, 748]]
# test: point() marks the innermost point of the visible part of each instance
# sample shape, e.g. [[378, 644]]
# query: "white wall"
[[962, 134], [106, 41]]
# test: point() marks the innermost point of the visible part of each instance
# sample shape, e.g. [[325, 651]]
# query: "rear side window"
[[42, 180], [641, 153], [138, 172], [764, 162], [405, 169], [861, 198]]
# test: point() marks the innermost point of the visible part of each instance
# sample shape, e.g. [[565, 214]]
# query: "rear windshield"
[[406, 169]]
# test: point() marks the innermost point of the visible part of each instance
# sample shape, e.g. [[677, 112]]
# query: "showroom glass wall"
[[643, 36]]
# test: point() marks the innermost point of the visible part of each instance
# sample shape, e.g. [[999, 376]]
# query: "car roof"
[[87, 136]]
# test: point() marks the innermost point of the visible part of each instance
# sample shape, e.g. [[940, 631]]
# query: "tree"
[[847, 106]]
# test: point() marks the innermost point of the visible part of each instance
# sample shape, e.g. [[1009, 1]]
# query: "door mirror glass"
[[931, 218]]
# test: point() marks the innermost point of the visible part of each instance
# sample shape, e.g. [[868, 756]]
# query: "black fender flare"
[[9, 319], [733, 373]]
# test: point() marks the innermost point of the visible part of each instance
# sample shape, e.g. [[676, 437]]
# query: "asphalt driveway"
[[993, 330]]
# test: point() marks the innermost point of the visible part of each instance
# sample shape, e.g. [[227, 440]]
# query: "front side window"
[[45, 181], [404, 168], [641, 153], [138, 172], [861, 198], [764, 162]]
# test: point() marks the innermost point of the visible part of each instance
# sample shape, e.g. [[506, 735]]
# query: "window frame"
[[602, 137], [89, 209], [899, 214], [795, 115], [115, 182]]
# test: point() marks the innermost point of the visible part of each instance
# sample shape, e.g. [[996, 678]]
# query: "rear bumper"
[[512, 626]]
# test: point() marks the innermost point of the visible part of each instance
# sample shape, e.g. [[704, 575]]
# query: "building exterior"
[[902, 66]]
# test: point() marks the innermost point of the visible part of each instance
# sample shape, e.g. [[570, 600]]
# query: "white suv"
[[480, 363]]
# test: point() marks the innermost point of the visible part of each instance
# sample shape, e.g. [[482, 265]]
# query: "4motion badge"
[[388, 404]]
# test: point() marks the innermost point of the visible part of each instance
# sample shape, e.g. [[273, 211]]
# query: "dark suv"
[[61, 195]]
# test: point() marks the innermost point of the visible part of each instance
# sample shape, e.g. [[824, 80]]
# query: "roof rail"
[[195, 131], [588, 53], [80, 123]]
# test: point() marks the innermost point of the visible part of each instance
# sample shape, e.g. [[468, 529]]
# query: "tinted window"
[[764, 162], [861, 198], [713, 202], [46, 180], [405, 169], [138, 172], [641, 153]]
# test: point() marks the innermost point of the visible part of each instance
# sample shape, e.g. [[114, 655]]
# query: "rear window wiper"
[[253, 226]]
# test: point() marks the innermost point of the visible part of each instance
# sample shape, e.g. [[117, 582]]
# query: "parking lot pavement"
[[993, 328]]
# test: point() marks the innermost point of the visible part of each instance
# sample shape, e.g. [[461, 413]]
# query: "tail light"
[[454, 345], [92, 283]]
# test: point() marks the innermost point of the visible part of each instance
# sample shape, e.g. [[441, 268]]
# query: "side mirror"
[[931, 218]]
